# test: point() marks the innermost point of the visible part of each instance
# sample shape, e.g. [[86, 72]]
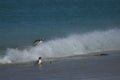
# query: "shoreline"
[[81, 56], [82, 68]]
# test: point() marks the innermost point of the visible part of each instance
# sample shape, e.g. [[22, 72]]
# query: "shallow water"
[[83, 68]]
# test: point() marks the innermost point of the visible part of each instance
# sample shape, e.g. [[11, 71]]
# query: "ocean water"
[[67, 28]]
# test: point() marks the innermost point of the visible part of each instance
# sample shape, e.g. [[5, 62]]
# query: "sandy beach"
[[87, 67]]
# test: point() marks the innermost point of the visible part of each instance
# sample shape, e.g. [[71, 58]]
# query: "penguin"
[[39, 61], [37, 42]]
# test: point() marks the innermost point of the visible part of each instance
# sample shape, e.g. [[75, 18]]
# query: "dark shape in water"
[[102, 54], [37, 42]]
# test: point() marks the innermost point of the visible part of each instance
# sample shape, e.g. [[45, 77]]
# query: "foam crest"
[[72, 45]]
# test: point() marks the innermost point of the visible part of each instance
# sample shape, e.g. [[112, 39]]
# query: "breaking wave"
[[75, 44]]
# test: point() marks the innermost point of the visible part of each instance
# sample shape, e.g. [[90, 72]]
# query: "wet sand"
[[90, 67]]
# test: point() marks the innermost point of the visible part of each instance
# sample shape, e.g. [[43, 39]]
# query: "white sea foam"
[[75, 44]]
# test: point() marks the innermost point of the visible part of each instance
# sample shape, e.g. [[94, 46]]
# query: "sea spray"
[[74, 44]]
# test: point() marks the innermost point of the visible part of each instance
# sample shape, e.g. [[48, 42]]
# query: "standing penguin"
[[39, 61]]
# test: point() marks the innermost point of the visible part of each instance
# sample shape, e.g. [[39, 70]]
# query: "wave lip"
[[76, 44]]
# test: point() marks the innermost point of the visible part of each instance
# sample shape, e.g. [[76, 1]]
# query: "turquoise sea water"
[[21, 22]]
